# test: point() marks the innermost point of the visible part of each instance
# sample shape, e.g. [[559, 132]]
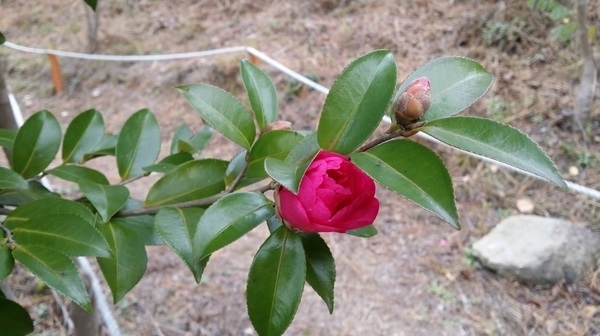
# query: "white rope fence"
[[265, 58]]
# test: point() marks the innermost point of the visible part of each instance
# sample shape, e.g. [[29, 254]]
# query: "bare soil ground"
[[417, 276]]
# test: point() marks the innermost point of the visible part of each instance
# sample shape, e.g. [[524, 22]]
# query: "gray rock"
[[539, 250]]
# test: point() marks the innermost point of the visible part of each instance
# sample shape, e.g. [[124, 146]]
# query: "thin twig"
[[383, 138], [64, 311]]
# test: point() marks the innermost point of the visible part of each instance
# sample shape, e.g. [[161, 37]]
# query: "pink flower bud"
[[413, 102], [278, 125]]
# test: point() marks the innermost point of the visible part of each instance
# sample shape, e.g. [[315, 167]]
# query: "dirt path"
[[416, 277]]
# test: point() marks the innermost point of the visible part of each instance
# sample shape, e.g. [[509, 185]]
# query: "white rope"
[[262, 56]]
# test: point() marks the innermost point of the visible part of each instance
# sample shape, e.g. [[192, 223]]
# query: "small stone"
[[539, 250], [573, 171], [96, 92], [64, 114], [525, 205]]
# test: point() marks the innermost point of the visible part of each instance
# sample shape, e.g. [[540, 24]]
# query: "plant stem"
[[7, 232], [381, 139]]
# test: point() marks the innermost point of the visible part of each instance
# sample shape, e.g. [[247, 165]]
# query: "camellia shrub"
[[324, 180]]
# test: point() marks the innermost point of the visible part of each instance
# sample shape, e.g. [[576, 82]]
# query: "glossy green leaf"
[[357, 101], [201, 139], [190, 181], [364, 232], [275, 282], [183, 132], [228, 219], [37, 141], [56, 270], [177, 228], [35, 191], [413, 171], [274, 222], [106, 147], [168, 163], [274, 144], [74, 173], [7, 138], [138, 144], [82, 136], [124, 269], [222, 111], [261, 93], [45, 207], [235, 167], [320, 267], [142, 226], [107, 199], [7, 262], [456, 83], [11, 180], [497, 141], [286, 174], [2, 38], [184, 140], [66, 233], [14, 319]]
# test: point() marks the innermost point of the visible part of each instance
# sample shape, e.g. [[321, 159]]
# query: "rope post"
[[56, 75]]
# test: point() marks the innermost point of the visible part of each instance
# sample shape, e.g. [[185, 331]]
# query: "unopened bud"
[[278, 125], [413, 102]]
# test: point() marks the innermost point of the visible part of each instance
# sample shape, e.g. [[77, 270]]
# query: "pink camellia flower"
[[334, 196]]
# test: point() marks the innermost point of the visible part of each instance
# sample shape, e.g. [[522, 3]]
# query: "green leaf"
[[289, 172], [35, 191], [124, 269], [143, 226], [37, 141], [177, 228], [261, 93], [183, 132], [288, 175], [200, 140], [274, 144], [167, 164], [497, 141], [7, 138], [222, 111], [456, 83], [2, 38], [190, 181], [186, 141], [7, 262], [107, 199], [413, 171], [364, 232], [357, 101], [11, 180], [228, 219], [235, 167], [14, 319], [320, 267], [275, 282], [66, 233], [138, 144], [92, 3], [56, 270], [83, 135], [106, 147], [45, 207], [74, 173]]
